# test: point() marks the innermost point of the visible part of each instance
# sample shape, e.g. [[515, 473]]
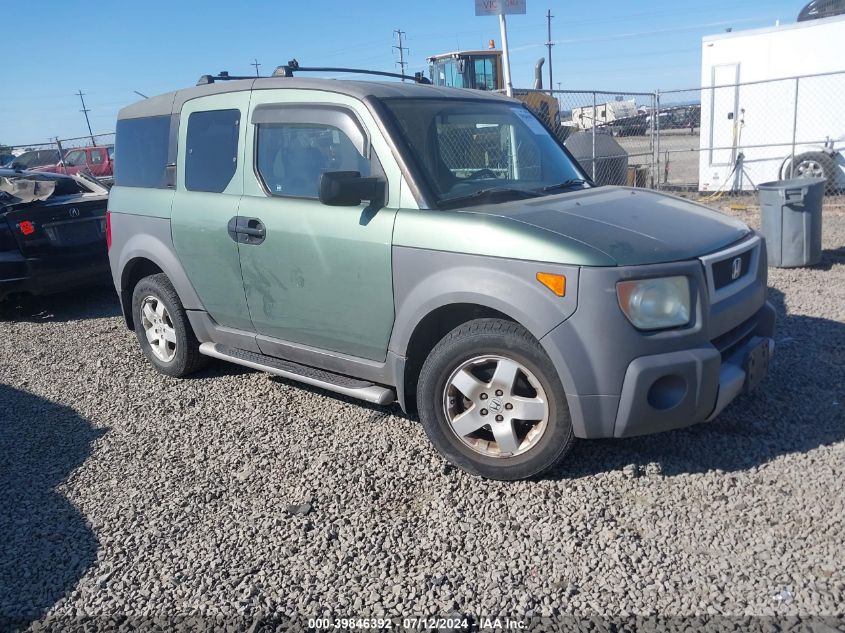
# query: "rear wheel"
[[491, 401], [163, 329]]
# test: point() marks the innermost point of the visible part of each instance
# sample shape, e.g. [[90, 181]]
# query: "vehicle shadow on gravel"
[[799, 407], [47, 546], [95, 302]]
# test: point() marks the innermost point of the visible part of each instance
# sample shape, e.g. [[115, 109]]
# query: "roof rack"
[[292, 66]]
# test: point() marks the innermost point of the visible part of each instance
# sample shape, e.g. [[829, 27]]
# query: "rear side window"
[[211, 155], [143, 147]]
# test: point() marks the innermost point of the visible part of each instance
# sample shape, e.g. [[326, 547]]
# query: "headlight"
[[655, 304]]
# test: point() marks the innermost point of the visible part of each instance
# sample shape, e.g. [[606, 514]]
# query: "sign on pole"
[[499, 7], [502, 8]]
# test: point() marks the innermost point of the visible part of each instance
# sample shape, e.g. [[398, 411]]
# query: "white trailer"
[[584, 118], [773, 105]]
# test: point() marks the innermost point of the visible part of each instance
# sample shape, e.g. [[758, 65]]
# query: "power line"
[[401, 63], [636, 34], [85, 111]]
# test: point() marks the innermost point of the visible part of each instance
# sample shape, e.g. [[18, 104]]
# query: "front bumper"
[[45, 275], [678, 389], [620, 381]]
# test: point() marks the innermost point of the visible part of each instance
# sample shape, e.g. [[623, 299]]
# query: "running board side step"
[[345, 385]]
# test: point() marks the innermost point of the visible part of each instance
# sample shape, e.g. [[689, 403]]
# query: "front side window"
[[98, 156], [466, 147], [211, 150], [290, 157]]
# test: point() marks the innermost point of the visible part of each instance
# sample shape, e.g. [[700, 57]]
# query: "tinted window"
[[291, 157], [142, 145], [211, 152]]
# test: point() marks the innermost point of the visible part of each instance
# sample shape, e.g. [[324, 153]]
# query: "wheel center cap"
[[496, 405]]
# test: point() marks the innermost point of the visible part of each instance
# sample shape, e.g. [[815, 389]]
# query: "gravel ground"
[[236, 493]]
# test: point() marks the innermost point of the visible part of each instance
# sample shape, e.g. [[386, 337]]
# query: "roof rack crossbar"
[[292, 66]]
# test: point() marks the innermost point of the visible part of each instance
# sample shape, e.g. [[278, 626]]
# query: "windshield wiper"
[[566, 184], [490, 194]]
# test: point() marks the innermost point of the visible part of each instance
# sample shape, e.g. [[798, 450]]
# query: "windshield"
[[466, 148]]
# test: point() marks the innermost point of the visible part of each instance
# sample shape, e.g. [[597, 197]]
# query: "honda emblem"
[[736, 268]]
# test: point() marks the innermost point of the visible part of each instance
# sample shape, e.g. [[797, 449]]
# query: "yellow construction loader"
[[482, 70]]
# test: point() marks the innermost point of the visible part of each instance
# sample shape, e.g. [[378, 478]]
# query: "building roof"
[[172, 102], [807, 24]]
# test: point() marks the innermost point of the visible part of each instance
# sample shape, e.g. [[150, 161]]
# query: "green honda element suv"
[[435, 247]]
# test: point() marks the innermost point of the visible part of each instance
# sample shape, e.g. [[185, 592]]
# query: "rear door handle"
[[246, 230]]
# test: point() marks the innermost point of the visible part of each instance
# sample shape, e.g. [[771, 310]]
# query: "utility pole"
[[549, 44], [256, 64], [85, 111], [401, 63]]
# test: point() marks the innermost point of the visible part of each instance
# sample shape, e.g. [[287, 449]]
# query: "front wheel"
[[491, 402]]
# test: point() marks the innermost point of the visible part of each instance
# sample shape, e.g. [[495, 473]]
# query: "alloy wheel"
[[158, 327], [496, 406]]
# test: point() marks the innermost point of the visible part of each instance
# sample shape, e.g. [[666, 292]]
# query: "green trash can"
[[792, 221]]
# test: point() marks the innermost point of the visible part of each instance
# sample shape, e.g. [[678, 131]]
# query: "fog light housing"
[[657, 303]]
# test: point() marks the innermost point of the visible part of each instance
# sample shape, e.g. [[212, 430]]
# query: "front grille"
[[728, 271], [735, 338], [733, 269]]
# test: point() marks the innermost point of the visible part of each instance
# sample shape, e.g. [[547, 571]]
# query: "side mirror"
[[349, 188]]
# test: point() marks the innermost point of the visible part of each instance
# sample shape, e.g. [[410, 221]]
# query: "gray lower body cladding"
[[621, 381]]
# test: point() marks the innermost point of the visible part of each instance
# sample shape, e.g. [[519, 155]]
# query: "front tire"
[[163, 330], [491, 402]]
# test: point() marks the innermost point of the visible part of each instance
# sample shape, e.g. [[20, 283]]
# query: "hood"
[[631, 226]]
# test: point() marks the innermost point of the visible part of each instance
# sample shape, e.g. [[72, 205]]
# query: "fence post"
[[656, 127], [61, 154], [794, 129], [653, 166], [594, 136]]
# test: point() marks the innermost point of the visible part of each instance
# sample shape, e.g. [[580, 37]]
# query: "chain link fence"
[[93, 154], [710, 142]]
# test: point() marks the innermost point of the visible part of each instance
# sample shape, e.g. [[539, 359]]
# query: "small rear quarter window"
[[142, 145]]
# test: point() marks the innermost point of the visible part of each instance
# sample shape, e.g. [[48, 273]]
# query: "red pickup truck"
[[97, 161]]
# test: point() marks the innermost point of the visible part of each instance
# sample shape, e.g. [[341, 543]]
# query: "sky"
[[112, 49]]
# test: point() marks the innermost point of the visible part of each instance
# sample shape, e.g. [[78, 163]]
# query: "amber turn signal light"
[[555, 283]]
